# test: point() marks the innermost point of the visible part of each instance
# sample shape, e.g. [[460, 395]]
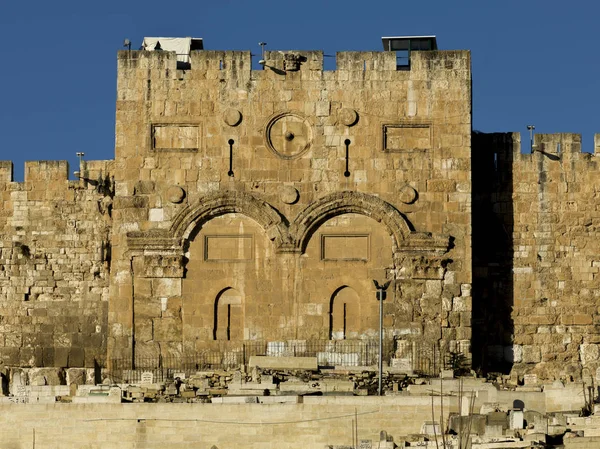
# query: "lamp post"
[[531, 129], [380, 297]]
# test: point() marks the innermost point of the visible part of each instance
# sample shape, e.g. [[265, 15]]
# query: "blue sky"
[[534, 62]]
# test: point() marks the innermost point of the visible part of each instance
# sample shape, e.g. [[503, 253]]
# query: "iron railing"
[[414, 357]]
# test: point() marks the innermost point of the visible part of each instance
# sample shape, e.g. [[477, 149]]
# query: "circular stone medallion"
[[407, 194], [175, 194], [348, 116], [232, 117], [289, 194], [288, 135]]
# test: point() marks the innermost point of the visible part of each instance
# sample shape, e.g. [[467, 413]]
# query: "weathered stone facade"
[[538, 275], [54, 265], [259, 205]]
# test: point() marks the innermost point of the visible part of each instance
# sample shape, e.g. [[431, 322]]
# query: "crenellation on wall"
[[54, 264], [544, 204], [50, 172], [255, 205], [6, 172]]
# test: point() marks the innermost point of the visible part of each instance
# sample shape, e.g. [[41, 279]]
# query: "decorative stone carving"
[[289, 194], [288, 135], [175, 194], [291, 62], [406, 137], [232, 117], [230, 202], [349, 202], [348, 117], [422, 267], [407, 194]]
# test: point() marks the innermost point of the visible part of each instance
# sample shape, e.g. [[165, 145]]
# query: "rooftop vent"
[[404, 45], [180, 45]]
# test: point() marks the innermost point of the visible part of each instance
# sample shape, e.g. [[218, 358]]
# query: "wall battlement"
[[238, 64], [247, 205], [539, 276], [570, 145], [53, 175]]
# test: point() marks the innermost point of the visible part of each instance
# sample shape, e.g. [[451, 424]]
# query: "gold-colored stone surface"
[[141, 273]]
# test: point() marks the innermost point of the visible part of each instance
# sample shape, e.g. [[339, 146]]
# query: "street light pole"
[[380, 297]]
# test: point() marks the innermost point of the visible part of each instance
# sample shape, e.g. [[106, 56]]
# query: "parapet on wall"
[[409, 134], [292, 65], [538, 282], [54, 256]]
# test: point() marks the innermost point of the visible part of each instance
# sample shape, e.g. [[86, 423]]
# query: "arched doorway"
[[228, 315], [344, 314]]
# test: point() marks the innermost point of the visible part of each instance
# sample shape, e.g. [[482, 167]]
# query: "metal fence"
[[409, 356]]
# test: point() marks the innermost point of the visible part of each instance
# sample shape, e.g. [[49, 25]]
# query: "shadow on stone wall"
[[492, 181]]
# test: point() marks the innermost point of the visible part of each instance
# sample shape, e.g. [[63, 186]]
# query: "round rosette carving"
[[407, 194], [232, 117], [289, 194], [175, 194], [348, 117], [289, 135]]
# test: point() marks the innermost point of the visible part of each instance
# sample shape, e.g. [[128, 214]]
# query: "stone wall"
[[316, 423], [54, 264], [260, 205], [536, 266], [278, 195], [249, 205]]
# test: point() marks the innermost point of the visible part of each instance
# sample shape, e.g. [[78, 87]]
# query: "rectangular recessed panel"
[[175, 137], [228, 247], [345, 247], [398, 138]]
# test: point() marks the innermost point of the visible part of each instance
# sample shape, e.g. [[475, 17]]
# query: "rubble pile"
[[490, 414]]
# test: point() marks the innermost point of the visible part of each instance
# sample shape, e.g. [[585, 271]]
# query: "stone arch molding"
[[329, 206], [214, 205], [294, 237]]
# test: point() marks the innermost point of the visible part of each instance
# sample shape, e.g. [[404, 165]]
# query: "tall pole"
[[380, 293], [531, 128]]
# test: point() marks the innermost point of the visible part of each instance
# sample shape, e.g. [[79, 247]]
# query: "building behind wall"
[[259, 206]]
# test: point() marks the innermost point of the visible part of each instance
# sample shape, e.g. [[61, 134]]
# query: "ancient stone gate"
[[250, 205]]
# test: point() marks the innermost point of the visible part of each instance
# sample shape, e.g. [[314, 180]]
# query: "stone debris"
[[490, 415]]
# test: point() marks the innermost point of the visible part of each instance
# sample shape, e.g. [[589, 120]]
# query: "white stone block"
[[589, 353], [275, 348], [530, 379], [516, 419], [430, 428], [156, 214]]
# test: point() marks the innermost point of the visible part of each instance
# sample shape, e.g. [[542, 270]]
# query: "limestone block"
[[513, 353], [307, 363], [462, 304], [76, 376], [167, 329], [589, 353], [166, 287], [430, 428], [156, 214], [531, 354], [46, 376]]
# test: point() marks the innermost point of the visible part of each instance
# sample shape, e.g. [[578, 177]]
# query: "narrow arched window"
[[228, 315], [344, 317]]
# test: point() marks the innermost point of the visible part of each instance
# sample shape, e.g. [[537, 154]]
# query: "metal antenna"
[[531, 128], [262, 52], [80, 155]]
